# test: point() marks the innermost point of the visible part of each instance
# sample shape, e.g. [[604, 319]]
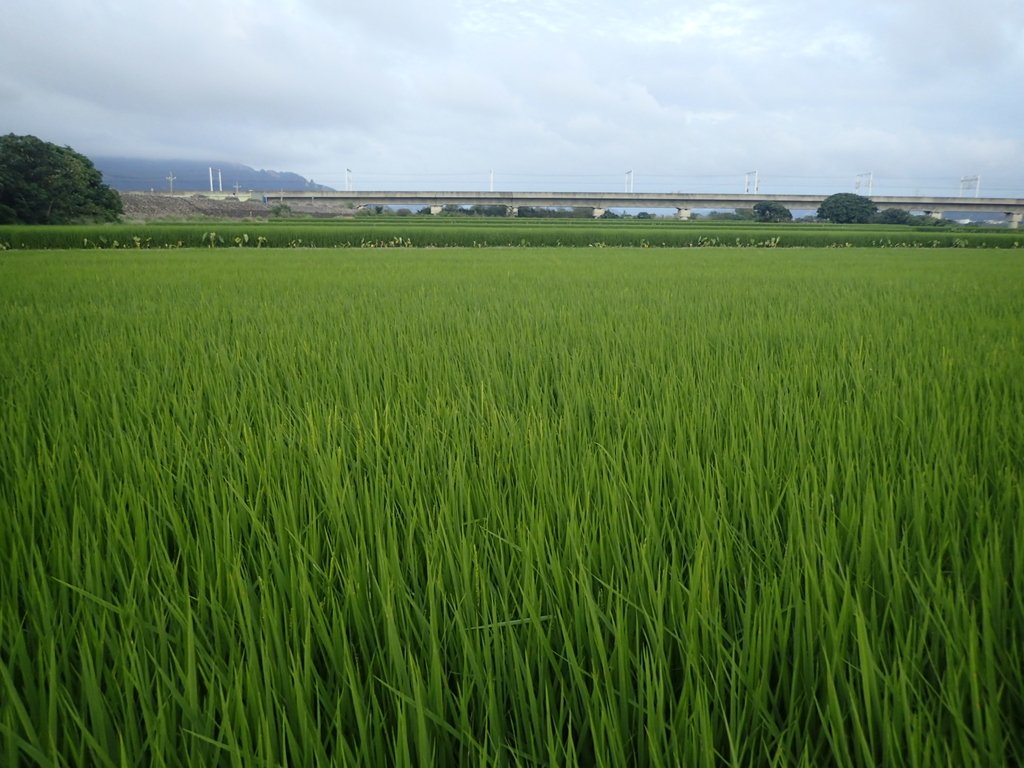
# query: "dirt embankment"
[[148, 206]]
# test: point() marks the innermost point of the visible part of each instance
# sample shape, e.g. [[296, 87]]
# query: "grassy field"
[[481, 232], [512, 507]]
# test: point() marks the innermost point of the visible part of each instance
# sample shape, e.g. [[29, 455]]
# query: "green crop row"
[[399, 232]]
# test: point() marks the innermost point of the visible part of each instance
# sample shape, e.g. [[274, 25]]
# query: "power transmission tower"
[[751, 183], [170, 180], [967, 181], [859, 181]]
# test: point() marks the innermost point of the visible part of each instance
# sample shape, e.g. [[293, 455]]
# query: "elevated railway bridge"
[[683, 203]]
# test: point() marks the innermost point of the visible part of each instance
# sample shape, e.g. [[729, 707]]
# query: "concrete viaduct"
[[683, 203]]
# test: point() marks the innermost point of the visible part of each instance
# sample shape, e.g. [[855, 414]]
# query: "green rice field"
[[512, 507], [445, 232]]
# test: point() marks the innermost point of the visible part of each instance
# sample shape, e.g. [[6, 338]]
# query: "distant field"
[[481, 506], [445, 232]]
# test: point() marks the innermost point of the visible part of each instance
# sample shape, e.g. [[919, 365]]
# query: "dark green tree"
[[770, 211], [42, 183], [489, 210], [739, 214], [847, 208], [893, 216]]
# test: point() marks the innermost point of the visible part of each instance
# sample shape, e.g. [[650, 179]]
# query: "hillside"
[[143, 175]]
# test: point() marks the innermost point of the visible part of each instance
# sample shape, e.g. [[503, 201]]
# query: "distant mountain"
[[137, 175]]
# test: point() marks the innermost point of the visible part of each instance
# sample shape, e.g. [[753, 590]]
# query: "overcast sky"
[[547, 94]]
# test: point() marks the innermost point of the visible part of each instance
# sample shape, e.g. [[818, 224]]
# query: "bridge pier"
[[683, 214], [435, 210], [599, 212], [934, 214], [1015, 220], [513, 210]]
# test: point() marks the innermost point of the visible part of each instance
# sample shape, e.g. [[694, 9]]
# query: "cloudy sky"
[[547, 94]]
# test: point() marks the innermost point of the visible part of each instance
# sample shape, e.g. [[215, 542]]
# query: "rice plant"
[[488, 507], [422, 231]]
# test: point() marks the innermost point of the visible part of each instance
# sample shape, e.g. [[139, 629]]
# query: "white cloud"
[[732, 23], [682, 92]]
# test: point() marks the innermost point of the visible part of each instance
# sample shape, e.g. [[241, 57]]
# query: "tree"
[[893, 216], [739, 214], [42, 183], [771, 211], [847, 208], [489, 210]]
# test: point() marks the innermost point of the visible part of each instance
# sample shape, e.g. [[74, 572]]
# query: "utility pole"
[[220, 181], [170, 180], [348, 179], [211, 178], [492, 181], [629, 181]]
